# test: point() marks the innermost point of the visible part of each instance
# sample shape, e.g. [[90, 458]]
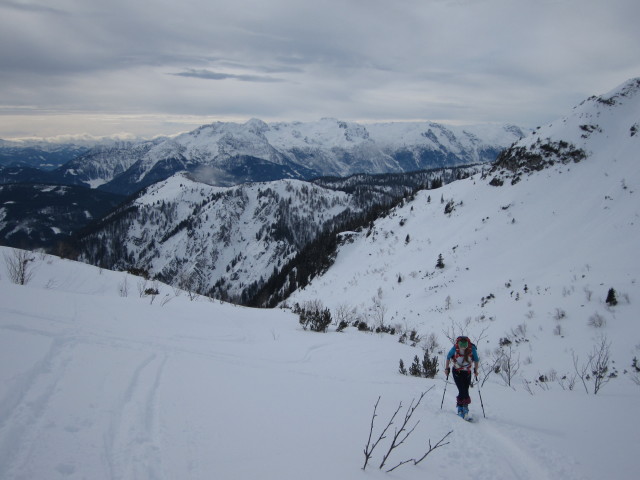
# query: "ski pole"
[[480, 395], [446, 382]]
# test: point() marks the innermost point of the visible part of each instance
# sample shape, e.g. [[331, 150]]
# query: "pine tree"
[[611, 297], [415, 369], [440, 262], [449, 207], [429, 365], [403, 369]]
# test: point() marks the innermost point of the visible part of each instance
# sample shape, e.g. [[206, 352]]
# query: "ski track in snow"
[[22, 414], [518, 463], [536, 459], [491, 447], [487, 449], [131, 444]]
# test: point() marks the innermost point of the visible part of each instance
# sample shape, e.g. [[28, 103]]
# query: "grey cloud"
[[276, 68], [30, 7], [463, 60], [210, 75]]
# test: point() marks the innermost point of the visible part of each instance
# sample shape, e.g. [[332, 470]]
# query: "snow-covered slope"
[[556, 240], [219, 240], [528, 264], [603, 127], [100, 381]]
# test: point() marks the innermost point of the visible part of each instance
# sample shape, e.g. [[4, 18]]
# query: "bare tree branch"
[[489, 367], [20, 266], [431, 449], [509, 364], [582, 371], [599, 362], [400, 435], [482, 335], [454, 331], [400, 464], [398, 438], [369, 451]]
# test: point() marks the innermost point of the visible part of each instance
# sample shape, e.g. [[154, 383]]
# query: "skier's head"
[[463, 342]]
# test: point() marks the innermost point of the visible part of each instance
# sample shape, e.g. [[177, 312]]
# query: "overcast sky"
[[146, 67]]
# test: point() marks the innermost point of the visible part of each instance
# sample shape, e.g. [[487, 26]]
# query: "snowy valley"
[[106, 375]]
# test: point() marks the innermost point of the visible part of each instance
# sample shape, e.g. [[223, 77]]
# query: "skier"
[[464, 354]]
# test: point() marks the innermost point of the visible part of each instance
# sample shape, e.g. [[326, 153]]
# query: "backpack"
[[459, 357]]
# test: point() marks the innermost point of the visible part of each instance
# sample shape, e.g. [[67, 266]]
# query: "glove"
[[447, 371], [475, 372]]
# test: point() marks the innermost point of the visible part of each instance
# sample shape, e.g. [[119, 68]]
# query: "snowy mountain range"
[[225, 154], [232, 241], [108, 375]]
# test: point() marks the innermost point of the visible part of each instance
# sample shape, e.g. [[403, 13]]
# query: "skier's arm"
[[476, 361], [449, 357]]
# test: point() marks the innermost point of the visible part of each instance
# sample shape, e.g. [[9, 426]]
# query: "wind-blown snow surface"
[[97, 385]]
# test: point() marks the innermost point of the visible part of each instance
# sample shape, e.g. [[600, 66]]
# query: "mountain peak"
[[628, 89], [590, 129], [256, 126]]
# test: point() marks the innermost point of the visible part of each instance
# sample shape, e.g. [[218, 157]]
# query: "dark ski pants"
[[463, 381]]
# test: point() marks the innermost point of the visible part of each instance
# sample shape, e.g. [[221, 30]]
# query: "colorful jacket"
[[458, 359]]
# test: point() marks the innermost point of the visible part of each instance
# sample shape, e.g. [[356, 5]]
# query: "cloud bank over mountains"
[[147, 68]]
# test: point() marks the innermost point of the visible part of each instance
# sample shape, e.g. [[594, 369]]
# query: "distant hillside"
[[40, 155], [228, 242], [39, 216]]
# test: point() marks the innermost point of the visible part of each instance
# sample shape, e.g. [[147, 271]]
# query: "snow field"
[[95, 385]]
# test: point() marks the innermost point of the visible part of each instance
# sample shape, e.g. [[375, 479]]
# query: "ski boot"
[[465, 413], [461, 411]]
